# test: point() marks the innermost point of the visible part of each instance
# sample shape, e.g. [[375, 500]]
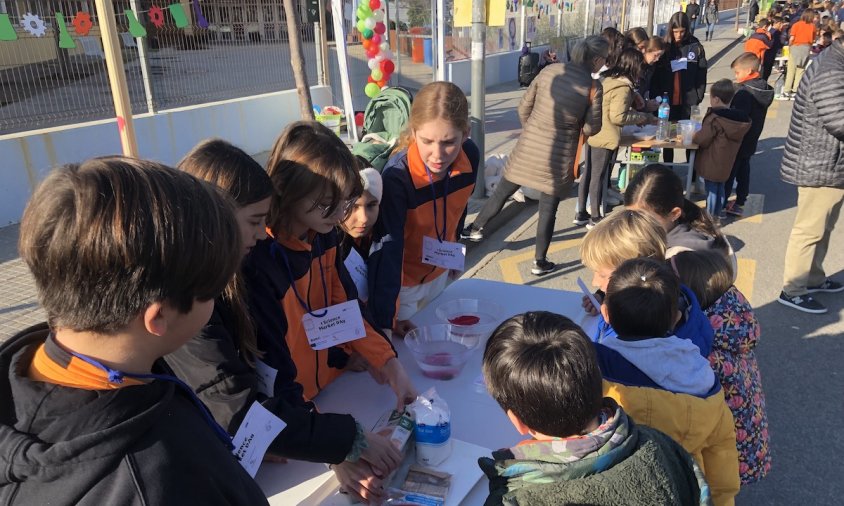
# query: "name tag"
[[358, 270], [340, 324], [255, 434], [446, 255], [679, 64], [266, 378]]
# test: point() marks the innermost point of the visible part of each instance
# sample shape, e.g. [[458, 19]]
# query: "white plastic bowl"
[[439, 351]]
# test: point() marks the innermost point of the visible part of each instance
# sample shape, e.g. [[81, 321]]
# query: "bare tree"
[[297, 59]]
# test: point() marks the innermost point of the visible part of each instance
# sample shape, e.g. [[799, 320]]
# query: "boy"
[[719, 139], [753, 96], [641, 304], [127, 256], [542, 370], [760, 42], [776, 46]]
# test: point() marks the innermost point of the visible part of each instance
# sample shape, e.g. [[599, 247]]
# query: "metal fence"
[[222, 50]]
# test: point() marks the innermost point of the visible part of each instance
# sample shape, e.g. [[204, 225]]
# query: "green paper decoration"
[[7, 31], [135, 26], [178, 14], [65, 40]]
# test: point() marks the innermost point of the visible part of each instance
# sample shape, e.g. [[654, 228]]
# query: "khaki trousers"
[[817, 213], [797, 58]]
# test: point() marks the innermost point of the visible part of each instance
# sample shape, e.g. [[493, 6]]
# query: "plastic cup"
[[687, 131]]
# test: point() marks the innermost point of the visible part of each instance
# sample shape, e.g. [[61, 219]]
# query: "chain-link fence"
[[178, 54]]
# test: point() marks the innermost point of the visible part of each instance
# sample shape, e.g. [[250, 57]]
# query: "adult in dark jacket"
[[70, 446], [681, 72], [710, 17], [554, 110], [814, 162], [754, 12], [693, 12]]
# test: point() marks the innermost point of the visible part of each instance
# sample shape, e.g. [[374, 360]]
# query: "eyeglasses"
[[345, 206]]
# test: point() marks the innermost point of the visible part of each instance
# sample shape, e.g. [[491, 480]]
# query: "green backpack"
[[385, 118]]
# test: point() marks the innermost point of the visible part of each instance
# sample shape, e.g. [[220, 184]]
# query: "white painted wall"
[[252, 123], [499, 68]]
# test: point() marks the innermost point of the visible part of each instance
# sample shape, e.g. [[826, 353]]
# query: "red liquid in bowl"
[[465, 320]]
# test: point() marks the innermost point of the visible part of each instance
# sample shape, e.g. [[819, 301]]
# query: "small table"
[[653, 143], [476, 417]]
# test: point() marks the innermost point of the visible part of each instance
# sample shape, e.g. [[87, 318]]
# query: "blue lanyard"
[[116, 377], [306, 305], [440, 236]]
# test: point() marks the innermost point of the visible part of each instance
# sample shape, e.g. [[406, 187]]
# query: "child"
[[736, 335], [719, 140], [427, 185], [824, 41], [753, 96], [641, 304], [220, 362], [657, 190], [296, 279], [776, 45], [128, 257], [617, 112], [760, 42], [584, 449], [358, 228]]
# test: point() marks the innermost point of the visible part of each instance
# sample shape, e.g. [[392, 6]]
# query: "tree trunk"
[[297, 60]]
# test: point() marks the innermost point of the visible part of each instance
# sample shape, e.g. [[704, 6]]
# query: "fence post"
[[478, 88], [117, 77], [325, 77], [141, 42]]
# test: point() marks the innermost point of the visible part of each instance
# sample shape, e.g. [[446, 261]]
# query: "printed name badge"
[[340, 324], [446, 255], [357, 269], [679, 64], [258, 429], [266, 378]]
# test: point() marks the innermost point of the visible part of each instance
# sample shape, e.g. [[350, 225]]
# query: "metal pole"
[[398, 45], [440, 46], [325, 75], [738, 10], [477, 114], [651, 8], [343, 61], [522, 23], [622, 27], [320, 64], [117, 77], [141, 42], [586, 20]]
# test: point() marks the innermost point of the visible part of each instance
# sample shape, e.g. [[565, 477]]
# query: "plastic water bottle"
[[663, 130]]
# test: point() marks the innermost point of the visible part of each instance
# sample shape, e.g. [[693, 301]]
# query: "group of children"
[[673, 351]]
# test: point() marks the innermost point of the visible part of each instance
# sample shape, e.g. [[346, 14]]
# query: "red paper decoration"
[[82, 23], [156, 16]]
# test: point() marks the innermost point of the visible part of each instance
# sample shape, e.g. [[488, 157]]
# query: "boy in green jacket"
[[543, 371]]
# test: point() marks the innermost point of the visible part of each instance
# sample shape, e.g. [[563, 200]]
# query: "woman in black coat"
[[681, 72]]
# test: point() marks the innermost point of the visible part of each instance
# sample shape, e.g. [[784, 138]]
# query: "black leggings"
[[547, 214], [594, 179]]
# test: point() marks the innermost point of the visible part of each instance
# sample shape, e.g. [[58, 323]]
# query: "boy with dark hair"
[[542, 370], [127, 256], [719, 139], [770, 59], [760, 42], [753, 96]]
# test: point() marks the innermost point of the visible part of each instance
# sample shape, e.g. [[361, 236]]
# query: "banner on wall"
[[495, 11]]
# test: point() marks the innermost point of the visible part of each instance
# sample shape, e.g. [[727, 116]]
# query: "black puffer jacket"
[[692, 79], [814, 147], [753, 97]]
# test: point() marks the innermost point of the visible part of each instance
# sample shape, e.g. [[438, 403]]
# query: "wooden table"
[[689, 164]]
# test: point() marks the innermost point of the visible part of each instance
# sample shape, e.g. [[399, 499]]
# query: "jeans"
[[710, 29], [741, 176], [714, 196], [593, 179], [548, 205]]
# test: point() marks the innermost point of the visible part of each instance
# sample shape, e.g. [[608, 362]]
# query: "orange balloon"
[[382, 83], [366, 43]]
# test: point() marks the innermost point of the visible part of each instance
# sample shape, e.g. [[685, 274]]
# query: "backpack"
[[384, 120]]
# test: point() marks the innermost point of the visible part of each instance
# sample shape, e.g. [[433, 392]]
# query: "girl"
[[560, 103], [427, 185], [616, 112], [298, 282], [681, 73], [710, 17], [659, 191], [737, 332], [220, 363]]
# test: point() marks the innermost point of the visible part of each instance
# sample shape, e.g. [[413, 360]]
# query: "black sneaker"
[[581, 218], [828, 286], [541, 267], [593, 223], [473, 234], [804, 303]]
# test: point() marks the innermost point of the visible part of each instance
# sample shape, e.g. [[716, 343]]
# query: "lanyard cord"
[[115, 376], [306, 305], [440, 236]]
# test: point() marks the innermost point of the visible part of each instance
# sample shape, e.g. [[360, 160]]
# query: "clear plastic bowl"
[[440, 352], [472, 318]]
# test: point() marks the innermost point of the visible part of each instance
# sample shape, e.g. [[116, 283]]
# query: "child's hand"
[[402, 327], [589, 307], [397, 378], [380, 454], [359, 480], [638, 102]]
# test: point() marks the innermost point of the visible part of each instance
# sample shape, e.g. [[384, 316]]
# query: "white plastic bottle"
[[663, 130]]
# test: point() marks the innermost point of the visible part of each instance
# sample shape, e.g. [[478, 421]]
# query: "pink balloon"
[[380, 28], [376, 39]]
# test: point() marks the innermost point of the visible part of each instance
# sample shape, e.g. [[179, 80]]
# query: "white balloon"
[[378, 15], [385, 46], [379, 57], [373, 64], [387, 54], [369, 22]]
